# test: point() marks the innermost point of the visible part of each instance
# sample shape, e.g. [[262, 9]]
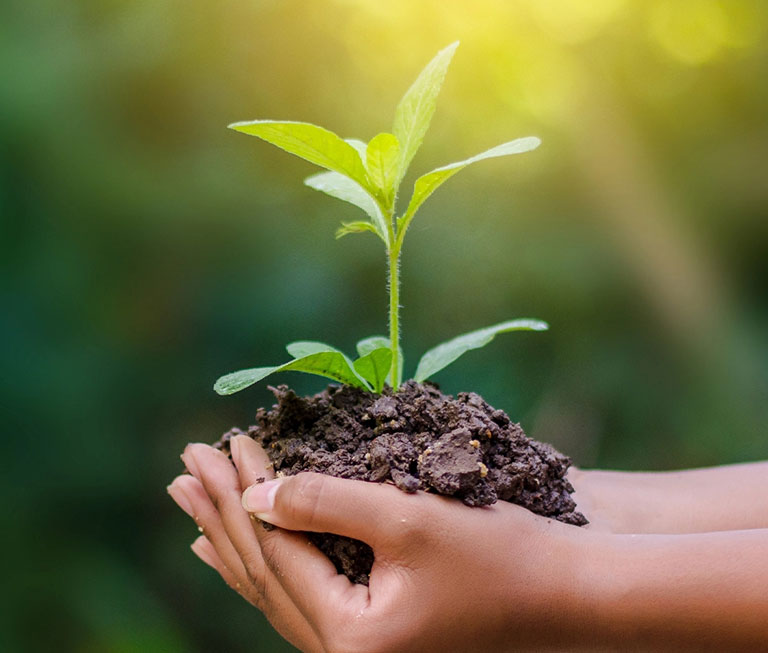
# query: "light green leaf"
[[360, 146], [330, 364], [367, 345], [382, 159], [347, 228], [444, 354], [310, 142], [302, 348], [414, 112], [343, 188], [428, 183], [374, 367], [236, 381]]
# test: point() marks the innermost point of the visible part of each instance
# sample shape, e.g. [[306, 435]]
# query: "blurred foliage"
[[146, 250]]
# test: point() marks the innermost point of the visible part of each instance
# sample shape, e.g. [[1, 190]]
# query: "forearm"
[[662, 592], [732, 497]]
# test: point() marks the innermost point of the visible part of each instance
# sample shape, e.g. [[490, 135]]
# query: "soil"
[[417, 438]]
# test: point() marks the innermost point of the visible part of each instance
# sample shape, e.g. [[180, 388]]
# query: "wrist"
[[575, 589], [600, 583]]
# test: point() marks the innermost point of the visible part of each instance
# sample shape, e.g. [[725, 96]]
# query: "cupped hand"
[[445, 576]]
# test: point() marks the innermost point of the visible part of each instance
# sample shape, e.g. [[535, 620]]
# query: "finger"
[[322, 503], [220, 482], [306, 574], [204, 550], [253, 467], [252, 462], [249, 458], [188, 492]]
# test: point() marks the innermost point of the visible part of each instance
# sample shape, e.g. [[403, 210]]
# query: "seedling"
[[369, 176]]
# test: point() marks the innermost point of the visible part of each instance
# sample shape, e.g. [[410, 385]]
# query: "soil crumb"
[[417, 438]]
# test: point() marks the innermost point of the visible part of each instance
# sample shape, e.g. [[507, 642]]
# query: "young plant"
[[369, 176]]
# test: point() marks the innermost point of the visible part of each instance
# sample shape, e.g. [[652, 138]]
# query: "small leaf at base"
[[331, 364], [367, 345], [375, 366], [302, 348], [445, 353]]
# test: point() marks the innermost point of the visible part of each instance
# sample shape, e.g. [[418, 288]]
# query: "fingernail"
[[189, 460], [181, 498], [199, 549], [260, 498]]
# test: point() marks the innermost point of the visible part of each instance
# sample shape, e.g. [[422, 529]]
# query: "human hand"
[[725, 498], [445, 576]]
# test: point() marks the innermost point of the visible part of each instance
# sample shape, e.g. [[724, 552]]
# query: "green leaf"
[[444, 354], [367, 345], [428, 183], [382, 159], [414, 112], [347, 228], [330, 364], [302, 348], [343, 188], [374, 367], [236, 381], [360, 146], [310, 142]]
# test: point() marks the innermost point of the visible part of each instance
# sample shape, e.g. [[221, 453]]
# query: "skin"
[[679, 574]]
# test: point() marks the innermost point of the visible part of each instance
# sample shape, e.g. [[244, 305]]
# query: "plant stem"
[[394, 313]]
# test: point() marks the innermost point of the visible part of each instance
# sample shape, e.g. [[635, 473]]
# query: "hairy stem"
[[394, 313]]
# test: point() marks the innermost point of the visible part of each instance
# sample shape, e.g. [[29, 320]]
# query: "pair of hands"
[[441, 579], [455, 578]]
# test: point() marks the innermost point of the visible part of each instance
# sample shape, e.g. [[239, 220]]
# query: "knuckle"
[[254, 570], [270, 552], [410, 526]]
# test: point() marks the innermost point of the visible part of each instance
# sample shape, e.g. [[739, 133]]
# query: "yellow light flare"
[[574, 21]]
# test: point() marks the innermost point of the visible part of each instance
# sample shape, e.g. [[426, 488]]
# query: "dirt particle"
[[483, 470], [475, 443]]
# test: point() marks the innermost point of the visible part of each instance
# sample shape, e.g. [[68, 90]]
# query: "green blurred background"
[[146, 250]]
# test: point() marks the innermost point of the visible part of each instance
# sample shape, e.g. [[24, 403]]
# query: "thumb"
[[326, 504]]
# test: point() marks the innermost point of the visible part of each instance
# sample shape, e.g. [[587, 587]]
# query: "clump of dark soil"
[[417, 438]]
